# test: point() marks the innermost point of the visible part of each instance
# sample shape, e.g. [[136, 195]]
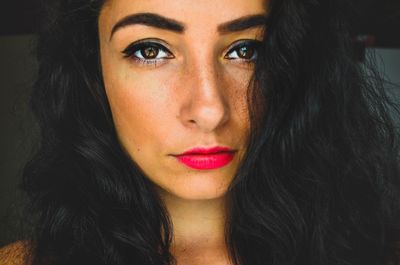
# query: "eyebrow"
[[161, 22], [243, 23]]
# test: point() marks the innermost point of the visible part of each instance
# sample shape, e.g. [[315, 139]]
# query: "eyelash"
[[252, 44], [136, 48]]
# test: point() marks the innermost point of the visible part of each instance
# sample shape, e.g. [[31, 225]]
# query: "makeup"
[[206, 158]]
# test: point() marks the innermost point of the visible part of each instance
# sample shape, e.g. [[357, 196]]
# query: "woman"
[[208, 132]]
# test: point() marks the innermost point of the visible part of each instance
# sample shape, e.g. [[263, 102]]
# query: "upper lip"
[[207, 151]]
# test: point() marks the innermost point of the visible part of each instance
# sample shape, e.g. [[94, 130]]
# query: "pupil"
[[246, 52], [149, 52]]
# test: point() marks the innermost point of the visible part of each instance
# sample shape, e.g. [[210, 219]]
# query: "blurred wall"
[[388, 61], [388, 64], [17, 72]]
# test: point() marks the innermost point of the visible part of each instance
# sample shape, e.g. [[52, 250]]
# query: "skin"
[[197, 98], [15, 253]]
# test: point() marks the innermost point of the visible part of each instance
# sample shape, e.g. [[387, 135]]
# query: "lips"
[[206, 158]]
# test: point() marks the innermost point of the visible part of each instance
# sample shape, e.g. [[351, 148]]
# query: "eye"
[[244, 50], [147, 52]]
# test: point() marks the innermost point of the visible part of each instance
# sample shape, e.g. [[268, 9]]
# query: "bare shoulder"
[[15, 253]]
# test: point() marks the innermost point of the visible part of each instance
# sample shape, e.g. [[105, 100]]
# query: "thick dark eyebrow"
[[149, 19], [157, 21], [243, 23]]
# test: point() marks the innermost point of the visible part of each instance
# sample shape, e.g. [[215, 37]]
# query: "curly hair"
[[319, 184]]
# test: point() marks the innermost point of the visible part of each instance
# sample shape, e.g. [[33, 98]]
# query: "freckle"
[[138, 149]]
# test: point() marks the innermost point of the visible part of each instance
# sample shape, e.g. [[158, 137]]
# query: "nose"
[[205, 107]]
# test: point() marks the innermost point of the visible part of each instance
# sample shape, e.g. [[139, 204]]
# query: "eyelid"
[[237, 44], [158, 43]]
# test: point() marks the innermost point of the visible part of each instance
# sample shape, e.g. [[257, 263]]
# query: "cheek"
[[139, 106], [238, 82]]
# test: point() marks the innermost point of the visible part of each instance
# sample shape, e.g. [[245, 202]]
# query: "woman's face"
[[176, 74]]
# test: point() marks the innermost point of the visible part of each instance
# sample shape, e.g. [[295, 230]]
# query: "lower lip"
[[206, 161]]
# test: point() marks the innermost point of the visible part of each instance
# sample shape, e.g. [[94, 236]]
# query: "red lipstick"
[[206, 158]]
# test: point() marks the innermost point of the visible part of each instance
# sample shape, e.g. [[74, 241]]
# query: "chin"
[[197, 188], [202, 194]]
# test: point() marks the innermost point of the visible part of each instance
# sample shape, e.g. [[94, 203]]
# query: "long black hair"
[[319, 184]]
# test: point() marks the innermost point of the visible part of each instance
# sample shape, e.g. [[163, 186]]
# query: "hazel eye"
[[150, 52], [246, 50], [147, 52]]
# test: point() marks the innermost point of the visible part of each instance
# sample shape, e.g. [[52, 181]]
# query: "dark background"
[[379, 18], [376, 24]]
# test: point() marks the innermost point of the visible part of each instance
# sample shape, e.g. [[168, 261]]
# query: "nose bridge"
[[207, 108], [206, 80]]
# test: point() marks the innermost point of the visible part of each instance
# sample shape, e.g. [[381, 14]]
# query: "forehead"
[[191, 12]]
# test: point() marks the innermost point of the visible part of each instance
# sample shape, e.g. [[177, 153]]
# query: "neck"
[[198, 227]]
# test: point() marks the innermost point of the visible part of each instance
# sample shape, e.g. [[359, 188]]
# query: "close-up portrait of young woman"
[[208, 132]]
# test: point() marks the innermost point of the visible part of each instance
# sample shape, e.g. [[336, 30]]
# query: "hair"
[[319, 184]]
